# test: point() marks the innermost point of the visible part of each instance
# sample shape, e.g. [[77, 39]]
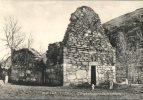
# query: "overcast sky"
[[47, 20]]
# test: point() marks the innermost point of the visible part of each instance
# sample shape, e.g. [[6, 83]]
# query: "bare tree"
[[41, 49], [13, 35], [30, 41]]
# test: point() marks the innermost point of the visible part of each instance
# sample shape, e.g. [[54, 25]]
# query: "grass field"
[[9, 91]]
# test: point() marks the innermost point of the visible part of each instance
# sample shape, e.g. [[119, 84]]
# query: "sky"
[[47, 21]]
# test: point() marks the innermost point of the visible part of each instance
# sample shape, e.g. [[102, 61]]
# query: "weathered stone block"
[[75, 67], [66, 60], [81, 74], [71, 69], [85, 80], [66, 83], [72, 81], [85, 63], [70, 72], [101, 75], [80, 81], [84, 67], [73, 50], [81, 59], [108, 68], [79, 63], [71, 76], [73, 62], [101, 71], [68, 65], [76, 80]]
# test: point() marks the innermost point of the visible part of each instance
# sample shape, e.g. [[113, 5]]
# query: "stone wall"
[[54, 75], [77, 66], [23, 76], [85, 44], [54, 68], [27, 67]]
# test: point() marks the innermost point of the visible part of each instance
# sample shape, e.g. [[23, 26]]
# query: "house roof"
[[36, 53]]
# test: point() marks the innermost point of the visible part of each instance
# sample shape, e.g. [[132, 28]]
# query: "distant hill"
[[131, 26]]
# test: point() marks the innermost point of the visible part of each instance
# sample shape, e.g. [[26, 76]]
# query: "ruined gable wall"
[[54, 65], [85, 42], [26, 69]]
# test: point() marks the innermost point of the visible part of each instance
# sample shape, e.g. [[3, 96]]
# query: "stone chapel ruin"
[[84, 56]]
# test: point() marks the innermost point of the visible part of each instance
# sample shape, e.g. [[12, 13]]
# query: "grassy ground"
[[9, 91]]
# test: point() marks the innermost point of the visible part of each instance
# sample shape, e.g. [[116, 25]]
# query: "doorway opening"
[[93, 74]]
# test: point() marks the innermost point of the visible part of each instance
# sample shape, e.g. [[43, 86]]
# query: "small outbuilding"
[[27, 67]]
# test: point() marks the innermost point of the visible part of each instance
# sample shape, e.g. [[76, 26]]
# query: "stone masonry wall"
[[27, 68], [54, 75], [77, 67], [85, 44], [26, 76], [54, 68]]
